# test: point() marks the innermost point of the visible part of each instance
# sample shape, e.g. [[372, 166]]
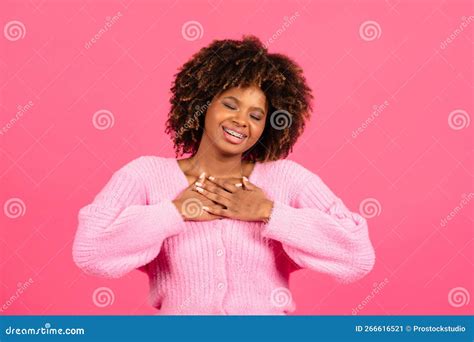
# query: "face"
[[235, 120]]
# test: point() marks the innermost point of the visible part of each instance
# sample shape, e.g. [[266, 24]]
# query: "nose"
[[239, 121]]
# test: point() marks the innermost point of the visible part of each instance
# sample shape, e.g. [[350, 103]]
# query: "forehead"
[[251, 95]]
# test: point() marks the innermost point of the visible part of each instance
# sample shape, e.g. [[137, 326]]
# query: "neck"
[[216, 164]]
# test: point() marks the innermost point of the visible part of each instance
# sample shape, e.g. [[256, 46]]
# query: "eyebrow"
[[237, 100]]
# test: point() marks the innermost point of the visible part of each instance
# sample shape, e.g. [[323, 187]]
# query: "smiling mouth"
[[234, 133], [233, 137]]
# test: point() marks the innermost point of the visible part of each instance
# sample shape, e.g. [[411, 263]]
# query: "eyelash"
[[256, 117], [229, 106], [233, 108]]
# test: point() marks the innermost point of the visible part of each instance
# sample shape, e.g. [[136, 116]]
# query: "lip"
[[236, 130], [231, 139]]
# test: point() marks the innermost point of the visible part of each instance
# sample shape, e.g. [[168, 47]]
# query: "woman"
[[221, 231]]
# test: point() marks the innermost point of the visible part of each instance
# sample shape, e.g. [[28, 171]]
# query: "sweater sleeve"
[[118, 232], [318, 232]]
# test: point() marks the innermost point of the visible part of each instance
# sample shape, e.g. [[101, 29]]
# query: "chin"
[[226, 148]]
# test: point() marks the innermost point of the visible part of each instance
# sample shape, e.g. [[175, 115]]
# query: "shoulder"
[[288, 176], [290, 169], [147, 165]]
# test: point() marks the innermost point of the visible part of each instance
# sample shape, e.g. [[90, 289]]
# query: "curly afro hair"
[[229, 63]]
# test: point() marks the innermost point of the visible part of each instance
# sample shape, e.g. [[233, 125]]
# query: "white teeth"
[[235, 134]]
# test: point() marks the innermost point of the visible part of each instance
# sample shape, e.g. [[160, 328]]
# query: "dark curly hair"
[[229, 63]]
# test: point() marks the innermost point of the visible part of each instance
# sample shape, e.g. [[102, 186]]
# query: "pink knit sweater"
[[222, 266]]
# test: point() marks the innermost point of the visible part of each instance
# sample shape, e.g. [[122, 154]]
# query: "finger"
[[200, 179], [215, 189], [213, 197], [216, 210], [204, 200], [226, 185], [247, 184]]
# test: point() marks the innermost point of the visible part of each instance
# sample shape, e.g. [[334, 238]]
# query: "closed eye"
[[256, 117], [229, 106]]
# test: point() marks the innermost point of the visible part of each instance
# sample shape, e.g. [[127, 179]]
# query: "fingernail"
[[199, 189], [198, 184], [205, 208], [211, 178], [245, 178], [238, 185], [202, 175]]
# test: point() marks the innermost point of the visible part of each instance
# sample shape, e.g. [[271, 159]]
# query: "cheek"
[[210, 122], [212, 118], [257, 131]]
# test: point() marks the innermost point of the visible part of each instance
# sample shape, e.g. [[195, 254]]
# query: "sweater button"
[[220, 252], [220, 286]]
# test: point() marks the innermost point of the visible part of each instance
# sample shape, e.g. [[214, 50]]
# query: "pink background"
[[411, 164]]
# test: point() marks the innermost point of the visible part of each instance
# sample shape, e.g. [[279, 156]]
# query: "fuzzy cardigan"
[[221, 266]]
